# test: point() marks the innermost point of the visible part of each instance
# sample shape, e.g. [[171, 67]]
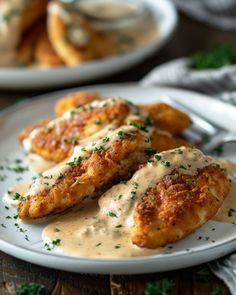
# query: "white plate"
[[187, 252], [25, 78]]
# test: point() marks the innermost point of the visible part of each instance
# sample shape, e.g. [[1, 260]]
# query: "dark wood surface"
[[190, 36]]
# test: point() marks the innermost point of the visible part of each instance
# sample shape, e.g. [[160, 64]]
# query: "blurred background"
[[41, 53]]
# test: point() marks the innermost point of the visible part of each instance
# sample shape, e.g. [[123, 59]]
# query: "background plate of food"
[[55, 42], [163, 215]]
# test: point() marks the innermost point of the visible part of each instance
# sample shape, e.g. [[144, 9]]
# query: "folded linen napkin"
[[217, 13], [220, 83]]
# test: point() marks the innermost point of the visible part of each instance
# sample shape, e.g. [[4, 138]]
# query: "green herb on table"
[[203, 274], [161, 287], [217, 56], [31, 289], [216, 291]]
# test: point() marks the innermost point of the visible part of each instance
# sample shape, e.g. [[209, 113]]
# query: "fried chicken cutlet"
[[56, 139], [89, 171], [164, 116], [168, 198]]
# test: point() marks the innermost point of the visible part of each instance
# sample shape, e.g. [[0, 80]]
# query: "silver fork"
[[205, 135]]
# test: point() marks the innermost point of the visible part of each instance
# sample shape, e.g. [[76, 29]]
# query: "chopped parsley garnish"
[[3, 225], [189, 181], [71, 140], [18, 169], [149, 151], [139, 126], [119, 226], [99, 244], [31, 289], [111, 214], [117, 246], [161, 287], [183, 167], [165, 163], [97, 122], [52, 245], [105, 139], [158, 157], [203, 274], [123, 134], [76, 161], [216, 291], [16, 196], [230, 212], [148, 121], [99, 149], [219, 150]]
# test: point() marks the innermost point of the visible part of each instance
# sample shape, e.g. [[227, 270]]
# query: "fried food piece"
[[168, 118], [56, 140], [178, 205], [75, 99], [33, 12], [165, 117], [163, 141], [88, 172], [45, 54], [26, 49], [82, 44]]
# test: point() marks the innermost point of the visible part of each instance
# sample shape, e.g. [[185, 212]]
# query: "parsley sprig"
[[161, 287]]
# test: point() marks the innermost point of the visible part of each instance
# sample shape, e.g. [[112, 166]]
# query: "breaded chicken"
[[88, 172], [34, 10], [167, 117], [80, 45], [44, 55], [178, 205], [56, 140], [163, 115], [163, 141], [76, 99]]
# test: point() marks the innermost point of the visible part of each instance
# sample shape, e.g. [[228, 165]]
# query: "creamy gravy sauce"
[[49, 177], [11, 198], [135, 113], [10, 32], [125, 38], [103, 230], [38, 164], [227, 212]]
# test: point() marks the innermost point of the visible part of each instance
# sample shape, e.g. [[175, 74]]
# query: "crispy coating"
[[57, 142], [95, 173], [44, 52], [164, 116], [163, 141], [168, 118], [99, 44], [33, 12], [75, 99], [177, 206]]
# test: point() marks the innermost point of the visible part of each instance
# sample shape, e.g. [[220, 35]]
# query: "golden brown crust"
[[57, 143], [164, 116], [33, 12], [75, 99], [99, 45], [45, 54], [167, 117], [162, 141], [178, 205], [95, 173]]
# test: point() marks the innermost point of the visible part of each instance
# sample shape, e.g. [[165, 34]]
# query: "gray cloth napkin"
[[219, 83], [217, 13]]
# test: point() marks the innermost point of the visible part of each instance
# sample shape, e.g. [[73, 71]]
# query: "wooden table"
[[189, 37]]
